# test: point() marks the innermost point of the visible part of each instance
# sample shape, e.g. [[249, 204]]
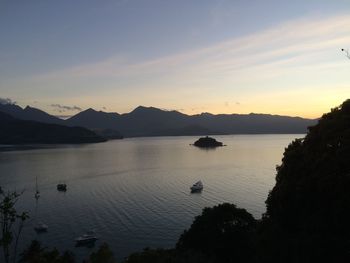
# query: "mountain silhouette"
[[94, 119], [15, 131], [151, 121], [29, 113]]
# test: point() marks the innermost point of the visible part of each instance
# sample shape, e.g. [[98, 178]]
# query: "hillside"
[[15, 131], [150, 121], [29, 113]]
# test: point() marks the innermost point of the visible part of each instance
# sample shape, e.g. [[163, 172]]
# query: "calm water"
[[135, 192]]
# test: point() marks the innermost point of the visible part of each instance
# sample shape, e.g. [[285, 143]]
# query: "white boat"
[[87, 238], [41, 227], [197, 187]]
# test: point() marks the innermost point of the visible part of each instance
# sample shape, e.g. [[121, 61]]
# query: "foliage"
[[308, 210], [35, 253], [167, 256], [11, 223], [224, 232], [103, 255]]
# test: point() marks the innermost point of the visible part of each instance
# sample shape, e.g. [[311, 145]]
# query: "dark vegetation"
[[15, 131], [308, 210], [207, 142], [35, 253]]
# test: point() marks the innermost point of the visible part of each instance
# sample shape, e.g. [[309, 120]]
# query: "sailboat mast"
[[37, 194]]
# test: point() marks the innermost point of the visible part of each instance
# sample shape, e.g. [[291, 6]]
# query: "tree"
[[309, 207], [11, 223], [103, 255], [35, 253], [167, 256], [225, 233]]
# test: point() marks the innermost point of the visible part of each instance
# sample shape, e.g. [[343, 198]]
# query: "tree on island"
[[207, 142]]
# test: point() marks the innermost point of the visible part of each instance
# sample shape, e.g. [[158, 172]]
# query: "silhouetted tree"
[[308, 210], [35, 253], [11, 223], [225, 233], [103, 255], [168, 256]]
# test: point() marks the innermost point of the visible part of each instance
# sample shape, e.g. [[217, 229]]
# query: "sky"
[[217, 56]]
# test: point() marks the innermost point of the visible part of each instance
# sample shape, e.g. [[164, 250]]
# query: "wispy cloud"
[[64, 108], [291, 44]]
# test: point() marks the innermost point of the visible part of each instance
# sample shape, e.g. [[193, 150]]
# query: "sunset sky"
[[237, 56]]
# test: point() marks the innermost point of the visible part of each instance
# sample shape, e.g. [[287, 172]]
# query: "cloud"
[[296, 42], [284, 58], [64, 108], [166, 109], [7, 101]]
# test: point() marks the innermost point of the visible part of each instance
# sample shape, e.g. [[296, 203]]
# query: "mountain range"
[[150, 121], [16, 131]]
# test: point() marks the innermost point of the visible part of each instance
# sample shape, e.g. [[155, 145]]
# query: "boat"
[[197, 187], [62, 187], [41, 227], [37, 193], [86, 239]]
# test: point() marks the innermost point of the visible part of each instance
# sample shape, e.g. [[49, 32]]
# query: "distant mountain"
[[15, 131], [253, 123], [94, 119], [150, 121], [29, 113]]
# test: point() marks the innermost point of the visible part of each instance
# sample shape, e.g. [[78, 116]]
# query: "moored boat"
[[86, 239], [41, 227], [197, 187], [62, 187]]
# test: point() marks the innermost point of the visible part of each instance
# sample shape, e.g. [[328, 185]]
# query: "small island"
[[207, 142]]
